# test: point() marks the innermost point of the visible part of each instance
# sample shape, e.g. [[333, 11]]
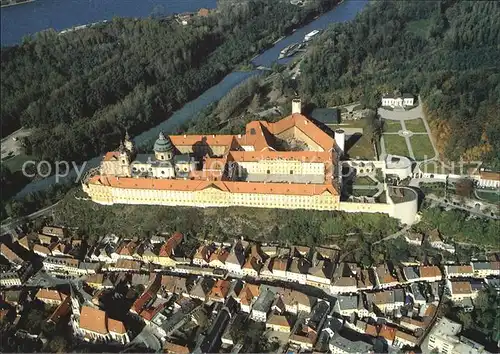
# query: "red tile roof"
[[9, 254], [116, 326], [429, 271], [168, 247], [461, 287], [387, 332], [494, 176], [171, 348], [51, 295], [248, 293], [220, 289], [94, 320], [371, 330], [141, 301], [221, 255]]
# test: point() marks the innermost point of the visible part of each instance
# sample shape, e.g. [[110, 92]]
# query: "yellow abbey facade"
[[289, 164]]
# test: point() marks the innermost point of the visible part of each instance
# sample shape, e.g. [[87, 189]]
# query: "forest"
[[80, 91], [447, 51]]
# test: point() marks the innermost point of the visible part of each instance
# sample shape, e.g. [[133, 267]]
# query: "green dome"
[[163, 144]]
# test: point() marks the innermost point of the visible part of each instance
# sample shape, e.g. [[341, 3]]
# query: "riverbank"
[[36, 16], [7, 3]]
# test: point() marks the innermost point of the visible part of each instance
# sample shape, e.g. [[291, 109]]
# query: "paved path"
[[401, 116], [470, 210], [383, 152], [413, 113], [407, 140]]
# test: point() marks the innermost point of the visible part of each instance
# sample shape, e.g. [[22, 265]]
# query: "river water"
[[21, 20], [343, 12]]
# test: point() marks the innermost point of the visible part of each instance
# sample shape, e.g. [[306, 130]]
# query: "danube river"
[[25, 19], [343, 12]]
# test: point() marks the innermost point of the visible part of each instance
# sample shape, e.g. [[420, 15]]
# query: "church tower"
[[163, 148], [124, 155], [129, 144]]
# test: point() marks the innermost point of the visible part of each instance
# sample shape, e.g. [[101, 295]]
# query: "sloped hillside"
[[446, 51]]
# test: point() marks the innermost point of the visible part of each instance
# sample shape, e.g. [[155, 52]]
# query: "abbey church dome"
[[163, 144]]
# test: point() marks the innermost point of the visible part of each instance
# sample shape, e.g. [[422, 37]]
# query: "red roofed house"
[[388, 333], [219, 291], [172, 348], [51, 297], [218, 258], [430, 273], [248, 295], [167, 251], [10, 255], [202, 256], [62, 310], [386, 276]]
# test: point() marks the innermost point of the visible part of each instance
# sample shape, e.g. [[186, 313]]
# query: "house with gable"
[[248, 295], [386, 276], [236, 259]]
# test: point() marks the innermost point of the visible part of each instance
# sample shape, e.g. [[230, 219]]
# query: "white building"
[[443, 337], [261, 307], [430, 273], [404, 340], [9, 279], [488, 179], [397, 100]]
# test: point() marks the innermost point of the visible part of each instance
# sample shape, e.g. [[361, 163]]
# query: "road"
[[469, 210], [8, 227]]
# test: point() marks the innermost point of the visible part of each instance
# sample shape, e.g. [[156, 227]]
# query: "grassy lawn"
[[415, 125], [363, 148], [489, 197], [395, 145], [422, 147], [434, 167], [391, 126], [365, 181], [364, 192], [16, 163]]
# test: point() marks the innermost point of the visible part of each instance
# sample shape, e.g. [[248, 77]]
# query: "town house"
[[386, 276], [463, 271], [298, 269], [321, 274], [202, 255], [278, 323], [51, 297], [430, 273], [248, 295]]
